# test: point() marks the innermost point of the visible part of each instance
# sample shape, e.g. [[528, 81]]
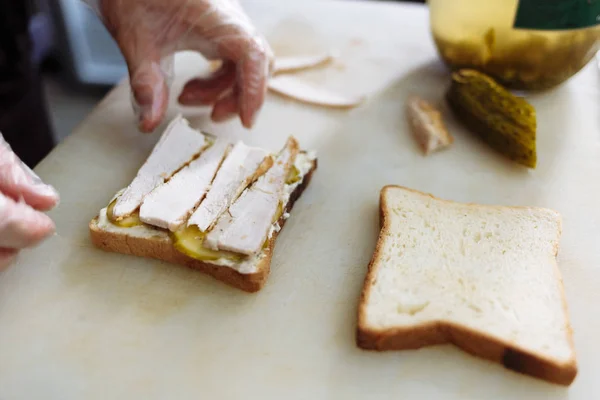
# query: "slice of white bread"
[[483, 278], [160, 246]]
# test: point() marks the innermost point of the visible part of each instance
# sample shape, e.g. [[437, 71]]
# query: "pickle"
[[278, 213], [504, 121], [125, 222], [210, 140], [189, 241], [293, 176]]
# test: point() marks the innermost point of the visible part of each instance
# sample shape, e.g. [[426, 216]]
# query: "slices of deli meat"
[[170, 204], [178, 145], [300, 63], [244, 229], [241, 167], [296, 89]]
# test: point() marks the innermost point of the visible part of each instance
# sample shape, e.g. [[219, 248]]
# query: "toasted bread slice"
[[483, 278], [160, 246]]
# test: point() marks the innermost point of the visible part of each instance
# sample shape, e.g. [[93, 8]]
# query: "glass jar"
[[524, 44]]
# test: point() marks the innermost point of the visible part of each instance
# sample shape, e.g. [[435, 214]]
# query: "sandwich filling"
[[237, 225], [169, 206], [176, 147], [245, 226]]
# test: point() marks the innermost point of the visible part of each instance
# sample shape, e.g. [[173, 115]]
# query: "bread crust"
[[442, 332], [161, 248]]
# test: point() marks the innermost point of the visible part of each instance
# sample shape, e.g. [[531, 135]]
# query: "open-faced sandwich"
[[207, 203]]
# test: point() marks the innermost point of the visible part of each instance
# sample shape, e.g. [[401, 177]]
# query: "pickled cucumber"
[[125, 222], [293, 176], [278, 213], [189, 241], [504, 121]]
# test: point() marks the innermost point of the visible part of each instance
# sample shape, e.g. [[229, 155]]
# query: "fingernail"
[[145, 124], [148, 115], [46, 190], [252, 121], [144, 95]]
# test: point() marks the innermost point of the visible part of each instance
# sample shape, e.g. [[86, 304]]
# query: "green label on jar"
[[557, 14]]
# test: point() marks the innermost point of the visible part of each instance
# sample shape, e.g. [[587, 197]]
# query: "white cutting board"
[[78, 323]]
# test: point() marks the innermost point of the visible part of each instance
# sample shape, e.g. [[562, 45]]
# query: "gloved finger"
[[205, 91], [150, 93], [7, 256], [151, 96], [134, 28], [148, 81], [21, 226], [253, 73], [238, 43], [226, 107], [18, 181]]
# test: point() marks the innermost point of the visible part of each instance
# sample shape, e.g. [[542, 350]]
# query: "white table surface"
[[78, 323]]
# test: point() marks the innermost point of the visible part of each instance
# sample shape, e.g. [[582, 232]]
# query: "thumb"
[[150, 95], [149, 86]]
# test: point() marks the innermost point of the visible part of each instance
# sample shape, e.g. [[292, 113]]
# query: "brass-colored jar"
[[524, 44]]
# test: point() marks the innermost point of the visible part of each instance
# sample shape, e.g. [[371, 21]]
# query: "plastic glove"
[[148, 32], [22, 196]]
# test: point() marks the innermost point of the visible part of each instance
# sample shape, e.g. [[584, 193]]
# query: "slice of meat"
[[178, 145], [170, 204], [300, 63], [298, 90], [241, 167], [245, 227]]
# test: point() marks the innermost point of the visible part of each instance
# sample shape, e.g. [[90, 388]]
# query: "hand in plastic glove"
[[147, 31], [22, 194]]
